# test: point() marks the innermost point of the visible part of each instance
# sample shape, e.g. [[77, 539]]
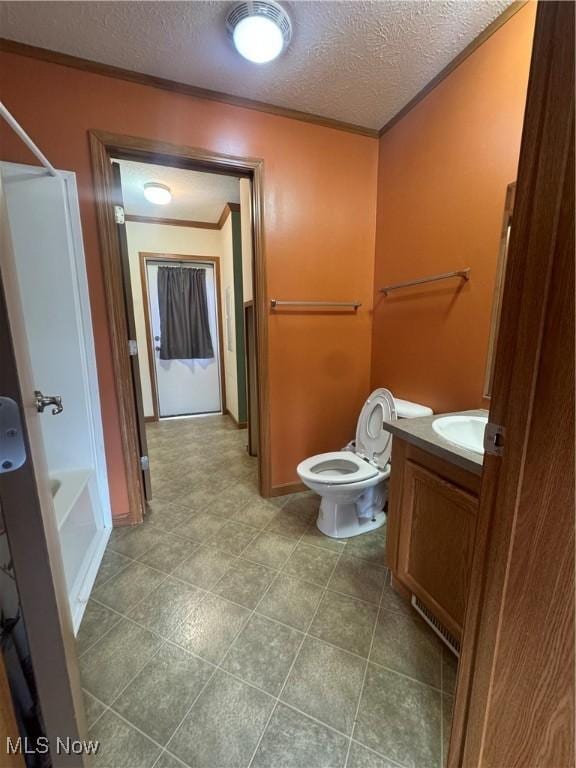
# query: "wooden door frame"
[[104, 147], [252, 443], [506, 598], [144, 257]]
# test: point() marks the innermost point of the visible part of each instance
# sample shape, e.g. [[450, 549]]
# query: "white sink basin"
[[464, 431]]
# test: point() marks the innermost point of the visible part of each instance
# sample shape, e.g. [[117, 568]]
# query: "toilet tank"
[[408, 410]]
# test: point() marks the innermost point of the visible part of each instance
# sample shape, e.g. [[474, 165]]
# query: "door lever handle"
[[42, 402]]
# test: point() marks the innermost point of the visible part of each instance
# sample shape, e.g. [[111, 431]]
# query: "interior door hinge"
[[494, 439], [144, 463], [132, 347], [119, 214]]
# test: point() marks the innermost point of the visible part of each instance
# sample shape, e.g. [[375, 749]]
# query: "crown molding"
[[171, 222], [226, 211], [106, 70], [96, 68]]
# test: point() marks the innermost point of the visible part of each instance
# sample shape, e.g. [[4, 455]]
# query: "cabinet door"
[[437, 528]]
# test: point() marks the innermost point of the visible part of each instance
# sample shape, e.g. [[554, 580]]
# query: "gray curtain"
[[184, 325]]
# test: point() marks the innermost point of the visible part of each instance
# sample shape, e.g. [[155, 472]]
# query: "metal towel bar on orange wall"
[[280, 303], [463, 274]]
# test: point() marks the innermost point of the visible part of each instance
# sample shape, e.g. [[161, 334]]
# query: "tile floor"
[[227, 632]]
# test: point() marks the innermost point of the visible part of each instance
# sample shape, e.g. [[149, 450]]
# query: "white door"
[[42, 219], [26, 482], [186, 387]]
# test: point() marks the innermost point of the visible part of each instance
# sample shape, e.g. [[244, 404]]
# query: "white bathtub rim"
[[72, 484], [80, 592]]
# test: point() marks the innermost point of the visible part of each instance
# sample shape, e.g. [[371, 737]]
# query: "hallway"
[[227, 631]]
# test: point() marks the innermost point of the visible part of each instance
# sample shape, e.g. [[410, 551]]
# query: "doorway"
[[185, 268], [137, 408]]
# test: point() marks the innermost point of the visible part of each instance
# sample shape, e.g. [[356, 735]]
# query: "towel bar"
[[464, 274], [280, 303]]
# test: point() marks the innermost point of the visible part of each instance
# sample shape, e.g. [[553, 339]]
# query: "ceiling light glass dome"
[[157, 193], [260, 29]]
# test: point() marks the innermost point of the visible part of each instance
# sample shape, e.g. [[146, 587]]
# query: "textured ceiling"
[[195, 196], [358, 61]]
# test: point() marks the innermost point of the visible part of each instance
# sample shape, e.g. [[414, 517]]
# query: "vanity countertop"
[[419, 432]]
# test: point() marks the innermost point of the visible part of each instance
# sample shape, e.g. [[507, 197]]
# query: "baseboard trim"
[[239, 424], [122, 521], [286, 488], [148, 419]]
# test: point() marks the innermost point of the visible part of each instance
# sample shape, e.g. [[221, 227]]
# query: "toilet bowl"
[[352, 482]]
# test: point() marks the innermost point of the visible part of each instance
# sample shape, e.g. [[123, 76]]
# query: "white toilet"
[[352, 482]]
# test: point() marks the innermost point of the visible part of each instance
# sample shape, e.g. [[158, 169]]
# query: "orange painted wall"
[[319, 220], [442, 178]]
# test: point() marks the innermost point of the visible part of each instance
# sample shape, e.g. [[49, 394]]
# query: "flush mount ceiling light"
[[157, 193], [260, 29]]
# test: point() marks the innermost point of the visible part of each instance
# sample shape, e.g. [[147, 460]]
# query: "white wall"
[[246, 230], [161, 238], [229, 323]]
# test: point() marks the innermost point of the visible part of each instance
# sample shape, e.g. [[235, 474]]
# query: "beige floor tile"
[[211, 628], [406, 644], [400, 719], [291, 601], [121, 745], [325, 683], [359, 579], [311, 564], [345, 622], [109, 665], [210, 530], [224, 725], [123, 591], [245, 583], [263, 653], [205, 566]]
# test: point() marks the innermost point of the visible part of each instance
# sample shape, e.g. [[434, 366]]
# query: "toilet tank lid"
[[407, 410]]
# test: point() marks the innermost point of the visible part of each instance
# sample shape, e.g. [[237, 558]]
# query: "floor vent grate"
[[437, 626]]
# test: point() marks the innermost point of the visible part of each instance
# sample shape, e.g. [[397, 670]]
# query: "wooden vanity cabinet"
[[432, 512]]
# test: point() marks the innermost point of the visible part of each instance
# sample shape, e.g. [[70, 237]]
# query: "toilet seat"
[[337, 467], [373, 441], [373, 447]]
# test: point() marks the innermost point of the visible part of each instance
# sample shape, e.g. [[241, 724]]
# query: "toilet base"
[[340, 520]]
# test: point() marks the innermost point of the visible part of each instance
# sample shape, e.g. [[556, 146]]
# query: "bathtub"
[[82, 538]]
